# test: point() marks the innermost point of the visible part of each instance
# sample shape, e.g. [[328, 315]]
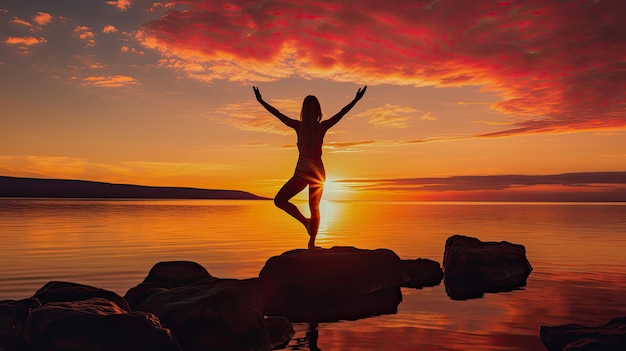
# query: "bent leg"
[[315, 196], [289, 190]]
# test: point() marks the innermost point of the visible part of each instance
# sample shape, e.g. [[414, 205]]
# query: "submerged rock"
[[421, 273], [473, 267], [331, 284], [610, 336], [94, 324]]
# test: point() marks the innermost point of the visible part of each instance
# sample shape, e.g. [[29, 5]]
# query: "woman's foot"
[[312, 244]]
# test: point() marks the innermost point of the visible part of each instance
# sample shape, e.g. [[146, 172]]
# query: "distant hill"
[[65, 188]]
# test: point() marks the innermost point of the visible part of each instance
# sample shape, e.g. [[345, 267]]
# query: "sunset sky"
[[466, 100]]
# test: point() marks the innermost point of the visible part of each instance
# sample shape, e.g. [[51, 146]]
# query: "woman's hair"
[[311, 110], [309, 137]]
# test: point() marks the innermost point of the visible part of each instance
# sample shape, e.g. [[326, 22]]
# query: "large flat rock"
[[346, 282]]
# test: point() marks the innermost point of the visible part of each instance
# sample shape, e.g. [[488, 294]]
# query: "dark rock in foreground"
[[208, 313], [573, 337], [421, 273], [166, 275], [12, 319], [56, 291], [95, 324], [473, 267], [331, 284]]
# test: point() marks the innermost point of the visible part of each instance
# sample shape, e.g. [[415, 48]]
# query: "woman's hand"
[[359, 93], [257, 93]]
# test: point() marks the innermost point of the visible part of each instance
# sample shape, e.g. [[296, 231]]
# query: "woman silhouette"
[[309, 169]]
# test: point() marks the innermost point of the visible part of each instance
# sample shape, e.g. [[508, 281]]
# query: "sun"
[[334, 190]]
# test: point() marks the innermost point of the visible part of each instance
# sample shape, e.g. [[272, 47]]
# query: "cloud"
[[557, 65], [75, 168], [126, 48], [390, 115], [41, 166], [585, 185], [109, 29], [21, 22], [42, 18], [428, 116], [114, 81], [85, 34], [121, 5], [25, 41], [251, 116], [160, 5]]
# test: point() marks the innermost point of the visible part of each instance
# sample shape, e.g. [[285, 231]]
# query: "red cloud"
[[558, 65]]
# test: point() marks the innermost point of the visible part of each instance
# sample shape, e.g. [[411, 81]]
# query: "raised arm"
[[336, 118], [286, 120]]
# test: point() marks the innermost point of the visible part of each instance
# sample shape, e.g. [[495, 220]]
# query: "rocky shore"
[[181, 306]]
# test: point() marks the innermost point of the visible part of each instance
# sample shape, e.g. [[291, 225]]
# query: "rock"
[[166, 275], [279, 330], [13, 315], [325, 285], [610, 336], [180, 272], [212, 314], [421, 273], [56, 291], [473, 267], [94, 324]]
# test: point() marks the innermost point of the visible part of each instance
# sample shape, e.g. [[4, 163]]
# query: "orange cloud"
[[109, 29], [121, 5], [116, 81], [21, 22], [25, 41], [159, 5], [584, 186], [125, 48], [557, 65], [390, 115], [251, 116], [85, 34], [42, 18]]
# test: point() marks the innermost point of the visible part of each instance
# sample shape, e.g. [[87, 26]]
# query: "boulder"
[[13, 315], [212, 314], [421, 273], [331, 284], [57, 291], [575, 337], [473, 267], [280, 331], [166, 275], [94, 324]]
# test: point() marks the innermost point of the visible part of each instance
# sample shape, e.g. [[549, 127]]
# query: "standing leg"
[[289, 190], [315, 196]]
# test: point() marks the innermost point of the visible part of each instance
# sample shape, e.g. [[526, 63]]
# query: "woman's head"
[[311, 110]]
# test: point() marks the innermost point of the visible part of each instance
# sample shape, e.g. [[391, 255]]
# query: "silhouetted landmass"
[[65, 188]]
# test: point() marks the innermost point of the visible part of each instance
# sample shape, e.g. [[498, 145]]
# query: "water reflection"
[[577, 252]]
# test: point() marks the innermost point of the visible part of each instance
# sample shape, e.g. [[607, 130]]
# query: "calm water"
[[578, 252]]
